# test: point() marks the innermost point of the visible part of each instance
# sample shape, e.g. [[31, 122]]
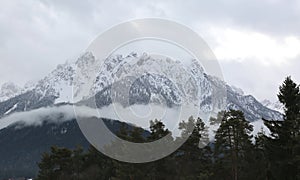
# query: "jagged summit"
[[9, 90], [165, 82]]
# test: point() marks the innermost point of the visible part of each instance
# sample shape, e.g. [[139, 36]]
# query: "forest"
[[233, 155]]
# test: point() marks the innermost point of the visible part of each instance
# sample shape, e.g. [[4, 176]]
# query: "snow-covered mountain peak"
[[155, 71], [154, 77], [9, 90], [85, 60], [58, 83], [30, 85], [278, 106], [237, 90]]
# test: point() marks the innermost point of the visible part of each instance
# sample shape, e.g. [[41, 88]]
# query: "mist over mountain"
[[41, 115], [57, 86]]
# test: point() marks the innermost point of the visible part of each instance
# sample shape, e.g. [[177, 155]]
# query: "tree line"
[[233, 155]]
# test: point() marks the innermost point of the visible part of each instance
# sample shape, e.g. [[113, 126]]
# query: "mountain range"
[[57, 87], [167, 83]]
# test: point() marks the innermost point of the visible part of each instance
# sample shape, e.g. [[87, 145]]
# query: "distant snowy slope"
[[278, 106], [58, 85], [9, 90]]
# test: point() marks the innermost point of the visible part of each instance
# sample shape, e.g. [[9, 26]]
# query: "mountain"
[[9, 90], [21, 148], [251, 107], [22, 145], [277, 106], [153, 87], [166, 83]]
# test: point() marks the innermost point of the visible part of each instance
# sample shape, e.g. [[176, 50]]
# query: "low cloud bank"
[[139, 115], [37, 116]]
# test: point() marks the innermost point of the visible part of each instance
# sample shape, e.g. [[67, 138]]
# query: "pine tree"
[[260, 164], [97, 165], [283, 147], [46, 168], [289, 96], [160, 169], [233, 145], [78, 160], [125, 170], [56, 165], [158, 130], [193, 156]]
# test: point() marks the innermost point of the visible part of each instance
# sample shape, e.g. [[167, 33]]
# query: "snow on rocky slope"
[[9, 90], [167, 82], [277, 106]]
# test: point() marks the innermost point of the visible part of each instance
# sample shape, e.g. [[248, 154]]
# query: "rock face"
[[168, 83], [9, 90], [277, 106]]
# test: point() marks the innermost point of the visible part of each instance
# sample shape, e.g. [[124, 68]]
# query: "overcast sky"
[[257, 42]]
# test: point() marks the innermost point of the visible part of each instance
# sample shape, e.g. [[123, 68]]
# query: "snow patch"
[[11, 109]]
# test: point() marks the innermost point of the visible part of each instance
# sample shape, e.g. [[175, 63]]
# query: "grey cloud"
[[38, 35], [260, 80], [278, 17], [37, 116], [35, 36]]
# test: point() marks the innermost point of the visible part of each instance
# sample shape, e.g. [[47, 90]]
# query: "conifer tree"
[[283, 147], [56, 165], [193, 156], [233, 145]]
